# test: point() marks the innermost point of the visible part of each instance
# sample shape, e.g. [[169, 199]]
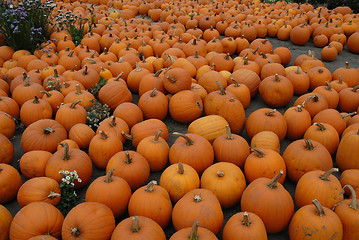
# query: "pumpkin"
[[138, 227], [266, 140], [70, 159], [210, 127], [8, 174], [26, 222], [185, 106], [300, 81], [193, 233], [155, 150], [33, 110], [332, 117], [197, 205], [42, 237], [129, 112], [312, 102], [231, 148], [5, 222], [152, 201], [306, 155], [215, 177], [318, 185], [131, 166], [270, 201], [347, 157], [87, 99], [192, 149], [6, 149], [266, 119], [348, 215], [298, 121], [153, 104], [69, 114], [7, 124], [244, 225], [9, 106], [110, 190], [114, 93], [349, 177], [81, 134], [88, 220], [320, 222]]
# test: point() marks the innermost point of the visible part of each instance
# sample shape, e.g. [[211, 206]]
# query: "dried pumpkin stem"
[[53, 195], [113, 121], [48, 130], [318, 206], [78, 89], [66, 151], [75, 232], [180, 168], [104, 136], [135, 227], [236, 84], [354, 203], [108, 177], [36, 100], [329, 86], [348, 114], [189, 141], [299, 108], [320, 126], [221, 89], [246, 222], [325, 176], [128, 159], [73, 105], [276, 78], [220, 173], [27, 81], [298, 70], [347, 65], [308, 144], [127, 136], [149, 187], [355, 88], [153, 93], [199, 105], [259, 152], [193, 235], [270, 113], [47, 93], [229, 134], [274, 181], [197, 198], [157, 136]]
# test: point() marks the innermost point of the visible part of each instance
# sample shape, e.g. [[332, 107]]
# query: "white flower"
[[79, 180], [72, 184], [63, 180], [67, 182], [68, 178], [75, 172], [67, 172], [61, 171]]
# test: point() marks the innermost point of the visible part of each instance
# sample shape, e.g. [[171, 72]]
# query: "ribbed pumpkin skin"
[[209, 127], [347, 154], [5, 222], [36, 218], [149, 230], [306, 224], [94, 221], [208, 211], [202, 233]]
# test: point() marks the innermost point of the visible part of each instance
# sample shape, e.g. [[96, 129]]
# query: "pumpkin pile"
[[197, 65]]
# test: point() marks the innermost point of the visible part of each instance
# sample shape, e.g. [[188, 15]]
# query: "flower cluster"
[[96, 113], [25, 24], [68, 194]]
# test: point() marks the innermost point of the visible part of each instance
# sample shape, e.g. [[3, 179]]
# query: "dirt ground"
[[173, 126]]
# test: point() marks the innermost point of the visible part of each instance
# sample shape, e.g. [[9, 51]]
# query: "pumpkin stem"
[[229, 134], [325, 176], [104, 136], [259, 152], [36, 100], [329, 86], [270, 113], [193, 235], [320, 126], [128, 159], [189, 141], [299, 108], [256, 50], [236, 84], [274, 181], [78, 89], [221, 89], [348, 114], [66, 151], [308, 144], [138, 69], [108, 177], [153, 93], [47, 93], [227, 56], [75, 232], [355, 88], [127, 136], [48, 130], [157, 136], [85, 70], [197, 198], [73, 105], [246, 222], [220, 174], [347, 65], [199, 105], [135, 227], [276, 78], [180, 168], [27, 81], [354, 203], [314, 97], [245, 61], [150, 185], [298, 70], [318, 206], [53, 195]]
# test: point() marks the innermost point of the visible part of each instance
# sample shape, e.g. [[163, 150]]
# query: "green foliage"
[[96, 114], [25, 24], [96, 88], [74, 24], [69, 197]]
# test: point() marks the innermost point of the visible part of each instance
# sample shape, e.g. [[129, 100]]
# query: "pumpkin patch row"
[[183, 66]]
